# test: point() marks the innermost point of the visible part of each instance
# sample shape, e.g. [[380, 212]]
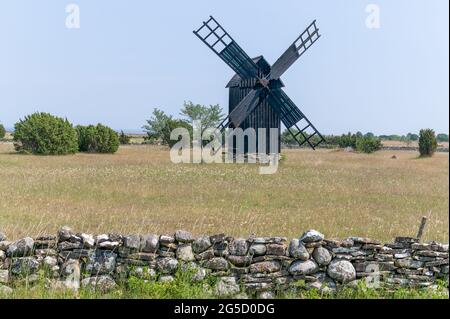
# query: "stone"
[[265, 267], [184, 252], [402, 255], [149, 243], [99, 283], [257, 250], [166, 278], [167, 265], [71, 268], [368, 266], [2, 236], [342, 271], [132, 242], [297, 250], [240, 261], [108, 245], [5, 290], [322, 256], [348, 242], [50, 261], [22, 247], [365, 240], [4, 276], [65, 233], [201, 244], [4, 245], [216, 264], [87, 240], [302, 268], [24, 266], [265, 295], [208, 254], [166, 239], [408, 263], [238, 247], [217, 238], [276, 249], [226, 287], [101, 262], [311, 236], [67, 245], [431, 253], [183, 236], [2, 255], [436, 263], [101, 238]]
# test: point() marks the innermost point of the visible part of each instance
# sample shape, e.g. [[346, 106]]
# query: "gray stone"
[[311, 236], [184, 252], [24, 266], [238, 247], [265, 267], [50, 261], [302, 268], [240, 261], [99, 283], [101, 262], [22, 247], [167, 265], [365, 240], [408, 263], [71, 268], [257, 250], [2, 255], [132, 242], [217, 264], [226, 287], [2, 236], [4, 245], [149, 243], [166, 278], [276, 249], [108, 245], [208, 254], [342, 271], [166, 239], [4, 276], [201, 244], [322, 256], [183, 236], [102, 238], [297, 250], [88, 240], [65, 233], [265, 295]]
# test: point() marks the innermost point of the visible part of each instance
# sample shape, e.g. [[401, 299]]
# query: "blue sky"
[[131, 56]]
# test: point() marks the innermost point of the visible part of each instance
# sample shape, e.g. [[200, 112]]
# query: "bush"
[[45, 134], [97, 139], [427, 142], [442, 137], [123, 138], [368, 144], [348, 140], [2, 131]]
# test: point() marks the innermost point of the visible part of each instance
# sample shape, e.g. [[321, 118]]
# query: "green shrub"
[[348, 140], [2, 131], [368, 144], [427, 142], [123, 138], [442, 137], [45, 134], [97, 139]]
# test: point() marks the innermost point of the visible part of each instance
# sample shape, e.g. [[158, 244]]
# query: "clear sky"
[[128, 57]]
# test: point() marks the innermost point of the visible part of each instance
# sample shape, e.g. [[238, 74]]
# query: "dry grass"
[[138, 190]]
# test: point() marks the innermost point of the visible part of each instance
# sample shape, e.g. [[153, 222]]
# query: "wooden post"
[[422, 227]]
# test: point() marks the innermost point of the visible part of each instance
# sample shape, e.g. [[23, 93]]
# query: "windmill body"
[[256, 98]]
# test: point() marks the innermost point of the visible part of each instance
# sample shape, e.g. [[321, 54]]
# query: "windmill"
[[256, 98]]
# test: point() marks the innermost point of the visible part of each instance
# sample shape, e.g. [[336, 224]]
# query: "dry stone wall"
[[255, 266]]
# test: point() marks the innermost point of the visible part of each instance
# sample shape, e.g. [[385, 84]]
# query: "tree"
[[123, 138], [442, 137], [160, 125], [2, 131], [368, 144], [45, 134], [427, 142], [412, 137], [209, 116], [97, 139]]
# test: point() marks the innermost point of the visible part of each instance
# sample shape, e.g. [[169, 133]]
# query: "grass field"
[[138, 190]]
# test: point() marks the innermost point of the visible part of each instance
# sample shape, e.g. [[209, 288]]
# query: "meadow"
[[138, 190]]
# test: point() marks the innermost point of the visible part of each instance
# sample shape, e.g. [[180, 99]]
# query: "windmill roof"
[[236, 79]]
